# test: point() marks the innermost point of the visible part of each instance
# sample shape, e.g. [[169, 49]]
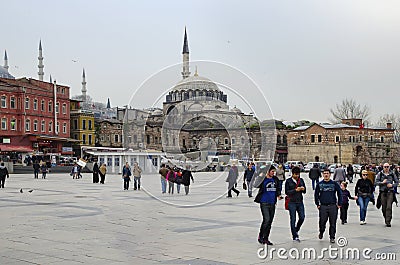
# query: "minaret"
[[185, 55], [108, 103], [84, 85], [51, 81], [5, 60], [41, 66]]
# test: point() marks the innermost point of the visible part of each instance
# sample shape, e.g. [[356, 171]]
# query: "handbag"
[[244, 186], [287, 197]]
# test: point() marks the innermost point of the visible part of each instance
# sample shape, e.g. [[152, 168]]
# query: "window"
[[135, 139], [233, 141], [116, 162], [35, 125], [75, 136], [35, 104], [4, 124], [43, 126], [90, 139], [90, 124], [27, 103], [13, 124], [133, 160], [83, 124], [42, 105], [64, 128], [382, 139], [148, 139], [102, 138], [3, 101], [84, 138], [226, 140], [64, 109], [319, 138], [154, 161], [12, 103], [76, 124], [101, 160], [50, 106], [27, 125], [57, 107], [109, 161], [337, 138], [57, 128], [116, 138], [313, 138], [50, 126], [62, 90]]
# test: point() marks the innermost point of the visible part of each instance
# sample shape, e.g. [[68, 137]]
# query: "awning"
[[281, 151], [15, 148]]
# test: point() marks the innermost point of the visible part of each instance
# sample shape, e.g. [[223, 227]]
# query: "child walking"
[[345, 206]]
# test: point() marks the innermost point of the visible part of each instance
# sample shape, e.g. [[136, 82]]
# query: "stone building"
[[348, 142], [108, 133]]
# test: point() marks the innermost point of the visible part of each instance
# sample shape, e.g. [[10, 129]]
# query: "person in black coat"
[[314, 175], [36, 169], [363, 192], [186, 176], [95, 173]]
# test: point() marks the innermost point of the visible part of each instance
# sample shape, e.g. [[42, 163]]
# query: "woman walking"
[[102, 172], [95, 173], [171, 176], [363, 192], [137, 171], [126, 174]]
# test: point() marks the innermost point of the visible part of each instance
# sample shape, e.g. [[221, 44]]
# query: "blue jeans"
[[363, 203], [268, 213], [163, 185], [293, 208], [313, 183], [178, 187], [249, 188]]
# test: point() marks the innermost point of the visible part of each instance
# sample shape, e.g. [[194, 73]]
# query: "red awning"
[[15, 148]]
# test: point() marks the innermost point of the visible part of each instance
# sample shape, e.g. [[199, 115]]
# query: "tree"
[[349, 109], [391, 118]]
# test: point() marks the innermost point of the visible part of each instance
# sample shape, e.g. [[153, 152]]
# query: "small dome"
[[157, 112], [5, 74], [236, 110], [196, 83]]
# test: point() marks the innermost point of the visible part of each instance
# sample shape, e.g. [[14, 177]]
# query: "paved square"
[[66, 221]]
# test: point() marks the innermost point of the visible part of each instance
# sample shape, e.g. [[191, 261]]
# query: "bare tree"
[[394, 120], [349, 109]]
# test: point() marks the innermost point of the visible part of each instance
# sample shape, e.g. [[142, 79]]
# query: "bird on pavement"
[[30, 190], [20, 191]]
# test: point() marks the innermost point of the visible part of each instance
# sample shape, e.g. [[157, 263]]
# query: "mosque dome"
[[236, 110], [196, 82], [5, 74]]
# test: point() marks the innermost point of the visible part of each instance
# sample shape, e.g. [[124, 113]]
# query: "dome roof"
[[196, 82], [4, 73], [237, 110]]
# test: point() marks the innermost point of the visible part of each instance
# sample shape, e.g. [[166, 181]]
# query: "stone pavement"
[[65, 221]]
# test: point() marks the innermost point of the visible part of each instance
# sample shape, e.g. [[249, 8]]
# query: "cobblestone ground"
[[65, 221]]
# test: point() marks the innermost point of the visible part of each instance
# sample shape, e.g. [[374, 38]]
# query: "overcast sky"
[[306, 56]]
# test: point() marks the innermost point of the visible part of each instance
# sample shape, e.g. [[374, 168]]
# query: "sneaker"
[[388, 225], [345, 222], [332, 240], [296, 239], [342, 222], [321, 235], [361, 222], [365, 222], [269, 243]]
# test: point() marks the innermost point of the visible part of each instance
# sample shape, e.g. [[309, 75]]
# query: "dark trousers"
[[95, 177], [293, 208], [313, 183], [387, 201], [102, 178], [343, 212], [233, 189], [2, 181], [126, 183], [328, 212], [268, 213], [36, 174]]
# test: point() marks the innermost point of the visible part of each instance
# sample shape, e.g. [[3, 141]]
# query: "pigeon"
[[20, 191], [30, 190]]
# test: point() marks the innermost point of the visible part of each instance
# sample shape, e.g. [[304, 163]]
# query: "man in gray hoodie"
[[3, 175]]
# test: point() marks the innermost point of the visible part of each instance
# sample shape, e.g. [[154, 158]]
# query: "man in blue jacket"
[[328, 198]]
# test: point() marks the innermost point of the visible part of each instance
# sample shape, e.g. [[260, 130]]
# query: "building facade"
[[348, 142], [35, 116]]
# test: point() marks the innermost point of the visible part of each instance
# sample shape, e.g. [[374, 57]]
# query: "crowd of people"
[[330, 195]]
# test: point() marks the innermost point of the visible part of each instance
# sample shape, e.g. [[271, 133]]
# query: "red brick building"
[[34, 116]]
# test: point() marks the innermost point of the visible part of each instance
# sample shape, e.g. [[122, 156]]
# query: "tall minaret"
[[84, 85], [41, 66], [185, 53], [5, 61]]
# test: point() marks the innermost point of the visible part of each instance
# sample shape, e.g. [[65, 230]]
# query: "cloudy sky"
[[305, 56]]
